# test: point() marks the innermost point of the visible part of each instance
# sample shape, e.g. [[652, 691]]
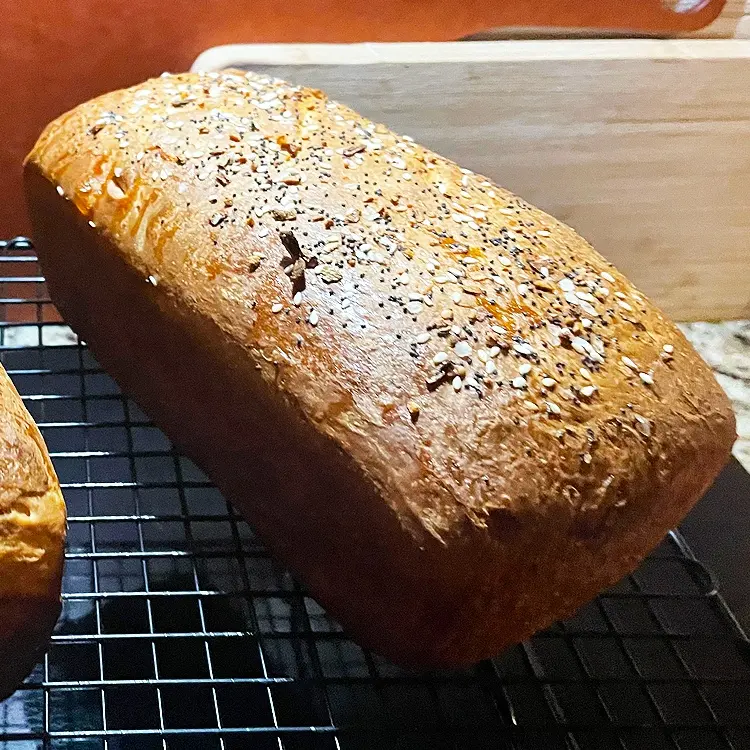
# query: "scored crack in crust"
[[523, 412]]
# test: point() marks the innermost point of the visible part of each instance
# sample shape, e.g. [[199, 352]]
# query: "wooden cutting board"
[[643, 146]]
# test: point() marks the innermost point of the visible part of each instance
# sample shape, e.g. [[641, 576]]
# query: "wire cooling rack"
[[179, 631]]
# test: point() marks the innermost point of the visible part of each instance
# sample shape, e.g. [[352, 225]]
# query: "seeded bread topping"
[[483, 368], [488, 302]]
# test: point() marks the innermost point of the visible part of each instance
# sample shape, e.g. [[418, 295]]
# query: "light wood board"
[[642, 145]]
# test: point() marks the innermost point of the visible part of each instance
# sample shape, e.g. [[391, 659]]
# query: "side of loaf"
[[32, 541], [437, 404]]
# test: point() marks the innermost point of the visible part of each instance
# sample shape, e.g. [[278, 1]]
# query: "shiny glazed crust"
[[439, 405], [32, 540]]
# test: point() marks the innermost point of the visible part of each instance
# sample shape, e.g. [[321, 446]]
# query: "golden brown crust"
[[27, 625], [502, 424], [32, 538]]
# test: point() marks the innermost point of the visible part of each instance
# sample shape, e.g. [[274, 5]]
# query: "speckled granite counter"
[[726, 347]]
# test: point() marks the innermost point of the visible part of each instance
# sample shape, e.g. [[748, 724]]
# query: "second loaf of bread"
[[32, 541], [439, 405]]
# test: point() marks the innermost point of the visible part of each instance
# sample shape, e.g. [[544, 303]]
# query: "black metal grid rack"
[[178, 631]]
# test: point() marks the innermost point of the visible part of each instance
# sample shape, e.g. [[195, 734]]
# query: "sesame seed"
[[414, 306], [277, 307], [60, 191], [525, 368], [580, 345], [482, 355], [297, 299], [313, 318], [585, 373], [625, 306], [642, 425], [524, 349], [462, 350], [531, 406], [668, 348], [457, 383], [588, 391], [494, 351], [552, 407], [489, 367], [608, 277], [439, 358], [519, 382], [566, 284], [629, 363], [114, 191], [92, 224], [549, 382], [423, 338], [646, 377]]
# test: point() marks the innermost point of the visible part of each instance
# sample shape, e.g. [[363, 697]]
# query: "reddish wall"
[[57, 53]]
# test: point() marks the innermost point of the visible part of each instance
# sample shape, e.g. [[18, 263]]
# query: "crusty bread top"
[[32, 511], [475, 356]]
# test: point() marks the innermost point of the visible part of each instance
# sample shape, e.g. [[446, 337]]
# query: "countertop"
[[726, 348]]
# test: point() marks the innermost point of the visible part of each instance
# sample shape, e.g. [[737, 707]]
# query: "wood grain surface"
[[642, 146]]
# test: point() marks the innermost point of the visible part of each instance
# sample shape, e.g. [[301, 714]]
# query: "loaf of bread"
[[437, 404], [32, 541]]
